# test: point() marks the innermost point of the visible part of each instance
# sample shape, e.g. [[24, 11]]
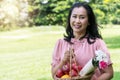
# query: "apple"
[[79, 67], [59, 73], [73, 73], [75, 67], [66, 68]]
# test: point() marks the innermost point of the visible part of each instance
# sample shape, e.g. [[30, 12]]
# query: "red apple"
[[66, 69], [75, 67], [59, 73], [79, 67], [73, 73]]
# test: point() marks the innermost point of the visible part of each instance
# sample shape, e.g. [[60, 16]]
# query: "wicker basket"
[[87, 77]]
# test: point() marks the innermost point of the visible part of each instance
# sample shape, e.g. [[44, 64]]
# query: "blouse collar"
[[73, 40]]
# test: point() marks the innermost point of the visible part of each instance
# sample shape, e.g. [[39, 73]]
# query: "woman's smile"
[[79, 20], [77, 26]]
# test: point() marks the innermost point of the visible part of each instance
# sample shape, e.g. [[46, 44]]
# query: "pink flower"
[[102, 64]]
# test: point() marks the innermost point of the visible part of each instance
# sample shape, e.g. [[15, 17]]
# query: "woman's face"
[[79, 20]]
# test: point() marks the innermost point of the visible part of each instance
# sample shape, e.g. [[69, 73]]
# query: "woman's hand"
[[69, 53], [107, 73]]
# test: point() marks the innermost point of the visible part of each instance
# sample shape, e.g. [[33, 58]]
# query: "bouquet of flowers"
[[100, 60]]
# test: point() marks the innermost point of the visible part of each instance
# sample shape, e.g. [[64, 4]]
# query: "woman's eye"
[[82, 17], [74, 16]]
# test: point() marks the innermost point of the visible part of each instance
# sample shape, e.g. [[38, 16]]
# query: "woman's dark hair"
[[92, 29]]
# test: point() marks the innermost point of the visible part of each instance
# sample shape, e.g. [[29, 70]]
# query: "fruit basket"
[[71, 72], [87, 77]]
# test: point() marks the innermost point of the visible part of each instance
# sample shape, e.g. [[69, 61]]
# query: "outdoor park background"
[[29, 30]]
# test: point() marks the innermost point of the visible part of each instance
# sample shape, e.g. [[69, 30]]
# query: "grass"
[[25, 54]]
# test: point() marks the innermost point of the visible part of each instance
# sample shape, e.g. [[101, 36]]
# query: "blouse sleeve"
[[102, 46], [56, 53]]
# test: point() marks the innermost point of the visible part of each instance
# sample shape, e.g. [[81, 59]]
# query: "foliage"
[[55, 12], [52, 12], [100, 16]]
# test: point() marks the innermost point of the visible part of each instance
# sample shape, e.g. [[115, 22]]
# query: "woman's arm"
[[107, 73], [65, 59], [54, 69]]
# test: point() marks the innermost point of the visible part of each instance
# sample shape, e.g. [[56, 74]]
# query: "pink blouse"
[[82, 49]]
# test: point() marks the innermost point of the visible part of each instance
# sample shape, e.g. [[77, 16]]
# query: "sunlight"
[[13, 11]]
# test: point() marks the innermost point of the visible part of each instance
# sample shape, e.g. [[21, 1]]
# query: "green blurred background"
[[20, 13], [29, 30]]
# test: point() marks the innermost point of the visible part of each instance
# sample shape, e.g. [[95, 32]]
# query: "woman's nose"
[[77, 20]]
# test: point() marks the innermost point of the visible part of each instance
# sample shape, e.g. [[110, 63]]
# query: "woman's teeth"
[[77, 27]]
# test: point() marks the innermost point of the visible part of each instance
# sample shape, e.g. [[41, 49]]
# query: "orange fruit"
[[65, 76]]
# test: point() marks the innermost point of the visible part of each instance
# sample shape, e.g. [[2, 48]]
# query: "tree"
[[54, 12]]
